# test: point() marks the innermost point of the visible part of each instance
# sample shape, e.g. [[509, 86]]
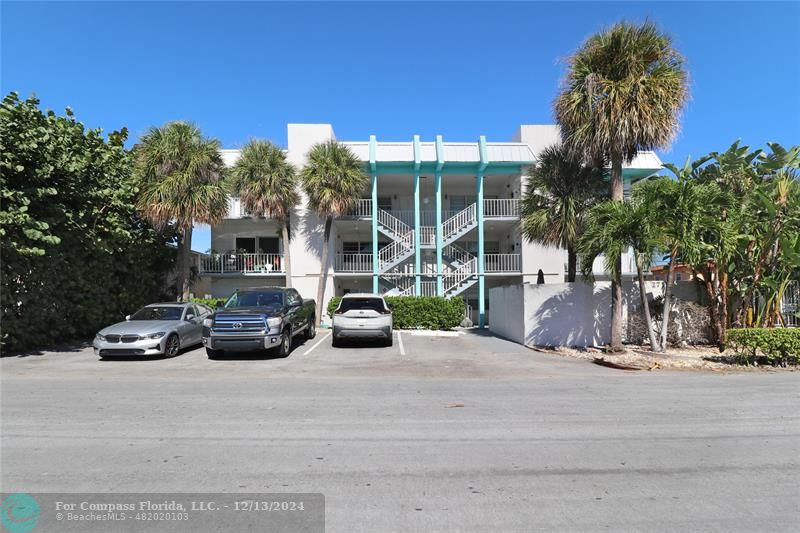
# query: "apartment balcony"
[[242, 264], [495, 208], [355, 263]]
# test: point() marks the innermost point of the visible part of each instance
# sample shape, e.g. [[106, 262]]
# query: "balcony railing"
[[502, 263], [244, 263], [353, 262], [501, 208], [362, 209]]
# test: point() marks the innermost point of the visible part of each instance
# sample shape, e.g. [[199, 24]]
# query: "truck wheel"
[[389, 341], [286, 343], [336, 343], [213, 354], [311, 330]]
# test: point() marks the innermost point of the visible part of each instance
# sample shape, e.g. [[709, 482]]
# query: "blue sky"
[[392, 69]]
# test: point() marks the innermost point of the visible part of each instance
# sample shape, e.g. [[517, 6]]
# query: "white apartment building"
[[438, 218]]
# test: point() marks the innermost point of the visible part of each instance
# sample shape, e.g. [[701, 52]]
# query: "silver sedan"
[[156, 329]]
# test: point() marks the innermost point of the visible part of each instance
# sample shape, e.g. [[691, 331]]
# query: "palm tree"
[[623, 93], [179, 174], [559, 192], [334, 181], [684, 209], [612, 227], [266, 184]]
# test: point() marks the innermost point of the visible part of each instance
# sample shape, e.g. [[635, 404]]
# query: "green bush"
[[775, 346], [211, 302], [76, 256], [425, 312]]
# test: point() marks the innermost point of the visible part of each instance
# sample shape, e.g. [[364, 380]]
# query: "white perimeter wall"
[[566, 314]]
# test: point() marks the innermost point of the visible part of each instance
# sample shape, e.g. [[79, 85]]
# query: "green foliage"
[[333, 178], [623, 92], [424, 312], [264, 180], [558, 196], [776, 346], [76, 255], [179, 176], [211, 302]]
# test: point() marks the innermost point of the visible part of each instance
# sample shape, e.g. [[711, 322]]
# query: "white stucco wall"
[[567, 314]]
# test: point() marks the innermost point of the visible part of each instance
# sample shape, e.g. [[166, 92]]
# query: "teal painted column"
[[374, 170], [439, 236], [479, 208], [417, 254]]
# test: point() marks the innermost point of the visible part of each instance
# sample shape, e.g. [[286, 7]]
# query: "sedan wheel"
[[173, 346]]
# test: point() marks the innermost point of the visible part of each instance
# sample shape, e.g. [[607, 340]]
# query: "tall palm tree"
[[558, 195], [623, 92], [611, 228], [180, 178], [334, 181], [266, 184]]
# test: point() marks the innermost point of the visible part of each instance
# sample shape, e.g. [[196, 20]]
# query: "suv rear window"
[[374, 304]]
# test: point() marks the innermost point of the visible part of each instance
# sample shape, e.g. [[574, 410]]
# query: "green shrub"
[[211, 302], [425, 312], [775, 346]]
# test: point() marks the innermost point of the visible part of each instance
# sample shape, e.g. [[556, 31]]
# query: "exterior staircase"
[[464, 273]]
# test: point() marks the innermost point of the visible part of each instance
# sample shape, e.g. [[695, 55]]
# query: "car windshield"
[[373, 304], [255, 299], [158, 313]]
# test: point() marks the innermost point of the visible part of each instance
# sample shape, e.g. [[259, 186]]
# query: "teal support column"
[[439, 237], [374, 211], [417, 254], [479, 208]]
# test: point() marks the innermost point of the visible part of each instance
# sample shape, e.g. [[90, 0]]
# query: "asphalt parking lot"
[[436, 433]]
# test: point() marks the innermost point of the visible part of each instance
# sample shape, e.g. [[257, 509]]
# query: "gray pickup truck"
[[257, 319]]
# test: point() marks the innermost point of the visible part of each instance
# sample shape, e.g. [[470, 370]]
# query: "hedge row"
[[775, 346], [211, 302], [424, 312]]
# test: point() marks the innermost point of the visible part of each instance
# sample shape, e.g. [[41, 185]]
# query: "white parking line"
[[400, 342], [318, 343]]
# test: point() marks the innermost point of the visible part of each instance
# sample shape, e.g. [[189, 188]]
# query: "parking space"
[[459, 354]]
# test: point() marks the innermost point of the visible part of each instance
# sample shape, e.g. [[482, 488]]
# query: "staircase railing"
[[453, 280], [392, 223], [457, 253], [462, 219], [391, 252]]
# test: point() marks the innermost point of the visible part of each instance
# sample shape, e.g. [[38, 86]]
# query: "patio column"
[[479, 213], [417, 254], [438, 186], [374, 211]]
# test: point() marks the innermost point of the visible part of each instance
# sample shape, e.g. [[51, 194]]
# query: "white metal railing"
[[457, 254], [502, 263], [392, 223], [396, 249], [241, 263], [427, 235], [362, 209], [428, 288], [464, 218], [503, 207], [452, 281], [353, 262], [790, 305]]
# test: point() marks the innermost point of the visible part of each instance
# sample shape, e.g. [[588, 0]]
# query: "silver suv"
[[362, 316]]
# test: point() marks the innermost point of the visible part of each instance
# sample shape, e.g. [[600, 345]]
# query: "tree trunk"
[[662, 347], [616, 281], [183, 295], [646, 309], [323, 270], [572, 263], [179, 265], [287, 261]]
